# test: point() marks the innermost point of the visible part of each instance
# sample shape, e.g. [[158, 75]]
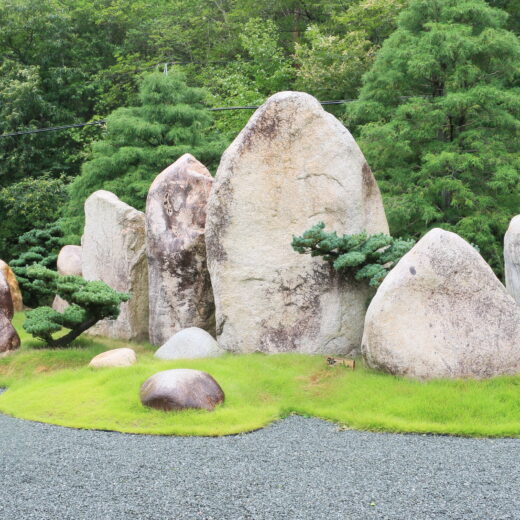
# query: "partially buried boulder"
[[16, 294], [512, 258], [69, 263], [179, 389], [6, 302], [9, 339], [118, 357], [442, 313], [179, 284], [188, 344], [113, 251], [291, 167]]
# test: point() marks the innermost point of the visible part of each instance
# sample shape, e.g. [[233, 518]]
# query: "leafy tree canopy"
[[439, 122]]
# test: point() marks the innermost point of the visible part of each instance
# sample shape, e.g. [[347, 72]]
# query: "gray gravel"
[[294, 469]]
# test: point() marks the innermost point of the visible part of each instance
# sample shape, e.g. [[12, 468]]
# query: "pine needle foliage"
[[40, 247], [363, 256], [439, 120], [140, 141], [90, 301]]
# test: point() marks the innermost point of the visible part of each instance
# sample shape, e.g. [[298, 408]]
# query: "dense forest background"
[[436, 84]]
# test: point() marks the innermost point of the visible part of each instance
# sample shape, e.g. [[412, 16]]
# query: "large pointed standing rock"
[[442, 312], [113, 251], [16, 294], [512, 258], [293, 165], [179, 283], [9, 339], [69, 263], [6, 300]]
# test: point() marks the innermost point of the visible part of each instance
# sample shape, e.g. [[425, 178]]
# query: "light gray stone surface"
[[6, 300], [512, 258], [293, 165], [179, 284], [181, 388], [9, 339], [442, 312], [189, 343], [117, 357], [69, 263], [113, 251]]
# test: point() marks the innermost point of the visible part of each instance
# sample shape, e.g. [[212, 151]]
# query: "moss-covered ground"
[[57, 386]]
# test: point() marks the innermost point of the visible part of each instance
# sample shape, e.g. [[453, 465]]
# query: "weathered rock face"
[[69, 263], [113, 251], [9, 339], [6, 302], [292, 166], [179, 284], [512, 258], [118, 357], [189, 343], [442, 312], [181, 388], [16, 294]]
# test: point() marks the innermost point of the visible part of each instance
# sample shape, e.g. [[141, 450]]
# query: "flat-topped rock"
[[512, 258], [113, 251], [118, 357], [442, 313], [179, 284], [179, 389], [68, 264], [189, 343], [292, 166]]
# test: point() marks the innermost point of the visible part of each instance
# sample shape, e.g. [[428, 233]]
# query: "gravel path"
[[294, 469]]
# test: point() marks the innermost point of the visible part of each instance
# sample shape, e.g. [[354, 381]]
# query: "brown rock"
[[69, 263], [9, 339], [179, 389], [16, 294], [179, 283], [6, 302]]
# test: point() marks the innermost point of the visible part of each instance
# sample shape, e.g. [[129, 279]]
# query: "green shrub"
[[89, 303], [363, 256]]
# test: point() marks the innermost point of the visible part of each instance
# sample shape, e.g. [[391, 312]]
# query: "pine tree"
[[141, 141], [438, 119]]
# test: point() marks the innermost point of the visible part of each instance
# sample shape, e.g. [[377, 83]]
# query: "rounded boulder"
[[118, 357], [180, 389], [189, 343]]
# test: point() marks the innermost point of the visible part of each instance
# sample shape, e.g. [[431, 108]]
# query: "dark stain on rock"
[[412, 270], [369, 183]]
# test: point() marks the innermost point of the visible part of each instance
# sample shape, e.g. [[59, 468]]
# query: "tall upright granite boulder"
[[292, 166], [16, 294], [512, 258], [179, 283], [113, 251], [442, 313], [6, 300], [68, 264]]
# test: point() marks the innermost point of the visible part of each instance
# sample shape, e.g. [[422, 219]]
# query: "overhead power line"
[[103, 121]]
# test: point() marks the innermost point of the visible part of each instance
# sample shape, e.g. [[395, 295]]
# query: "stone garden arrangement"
[[211, 269]]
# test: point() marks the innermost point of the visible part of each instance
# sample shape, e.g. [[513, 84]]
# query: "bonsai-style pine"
[[89, 303], [366, 257], [39, 246]]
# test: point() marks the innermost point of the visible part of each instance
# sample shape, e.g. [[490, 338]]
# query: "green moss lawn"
[[57, 386]]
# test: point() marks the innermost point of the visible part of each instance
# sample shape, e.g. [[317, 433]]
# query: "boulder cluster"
[[213, 257]]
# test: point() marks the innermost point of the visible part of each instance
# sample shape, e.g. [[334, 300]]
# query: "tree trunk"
[[66, 340]]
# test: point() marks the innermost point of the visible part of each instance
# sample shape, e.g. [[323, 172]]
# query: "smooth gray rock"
[[68, 264], [442, 313], [292, 166], [189, 343], [179, 283], [512, 258], [113, 251], [181, 388]]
